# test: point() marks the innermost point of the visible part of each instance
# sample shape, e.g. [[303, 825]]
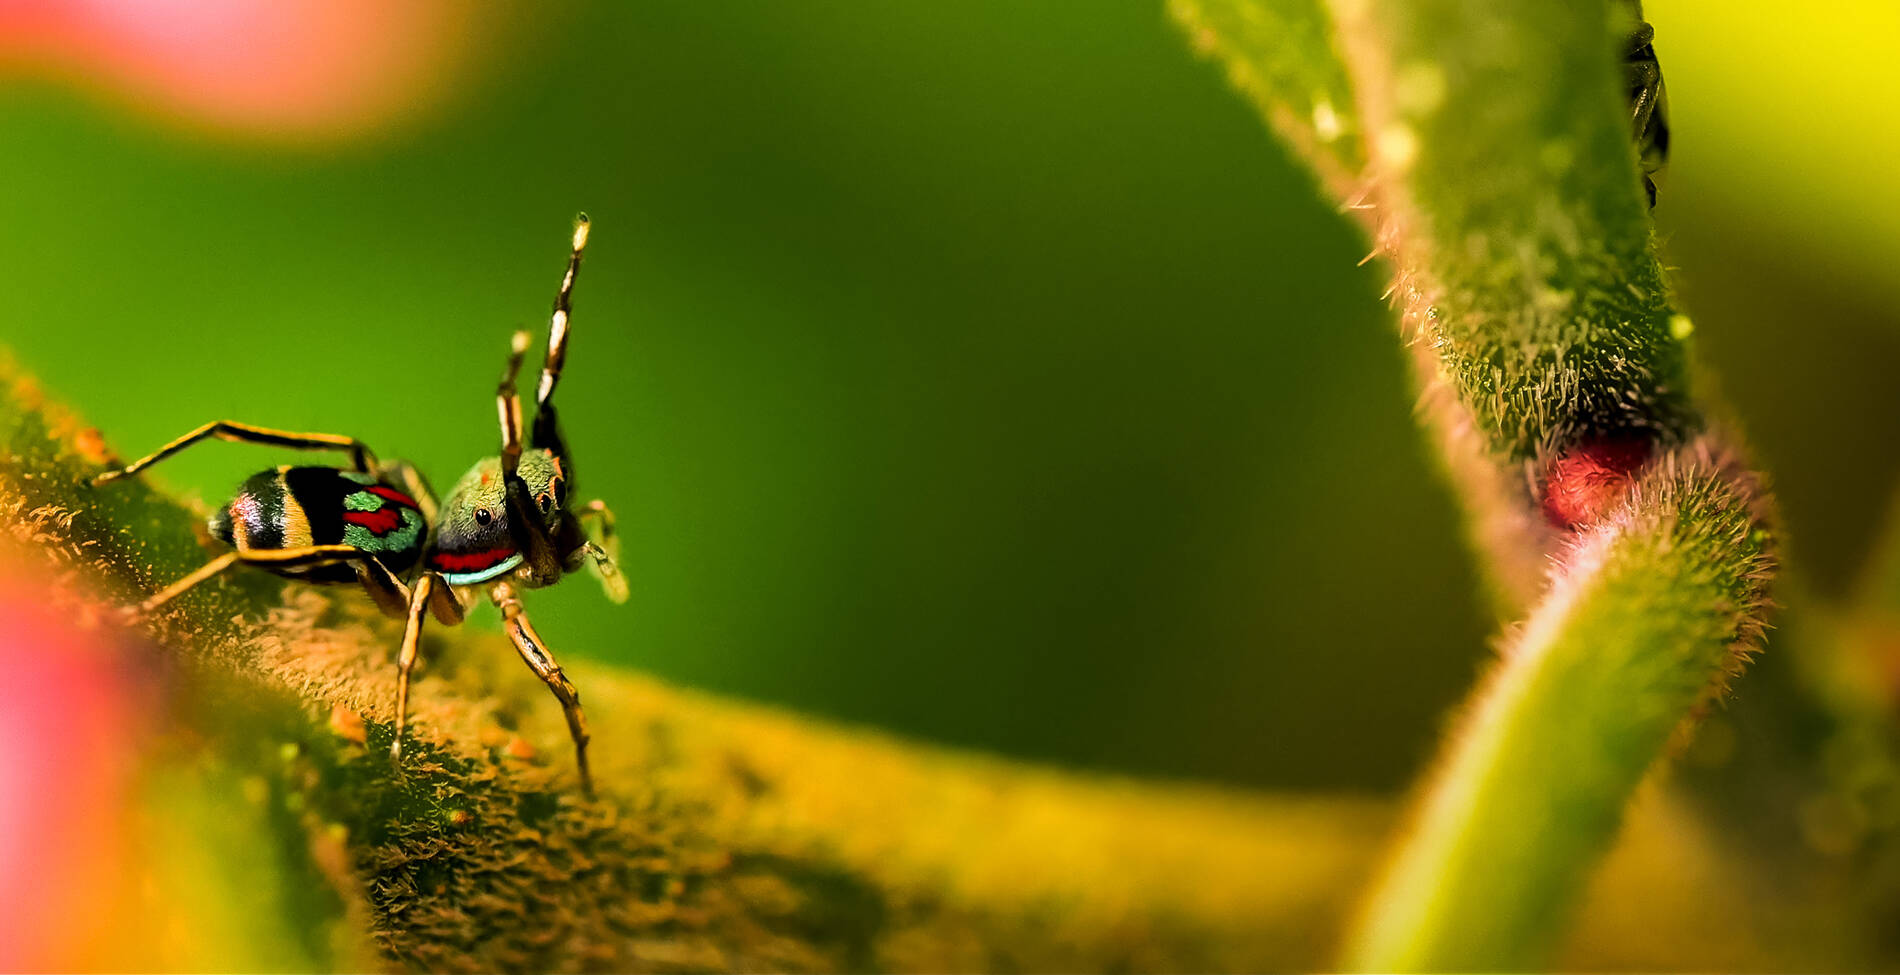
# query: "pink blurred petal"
[[69, 725], [299, 69]]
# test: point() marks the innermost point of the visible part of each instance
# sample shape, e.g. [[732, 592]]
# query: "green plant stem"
[[1281, 56], [1500, 180], [1504, 172], [1503, 163], [1534, 788]]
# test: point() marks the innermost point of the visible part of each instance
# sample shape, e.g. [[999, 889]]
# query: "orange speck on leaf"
[[348, 724], [90, 445]]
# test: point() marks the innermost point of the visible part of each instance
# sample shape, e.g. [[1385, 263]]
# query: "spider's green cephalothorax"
[[506, 522], [474, 539]]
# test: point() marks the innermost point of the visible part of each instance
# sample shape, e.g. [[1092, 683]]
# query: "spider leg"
[[178, 588], [1645, 79], [406, 659], [602, 549], [411, 480], [1648, 127], [535, 654], [231, 430], [508, 406], [523, 523], [547, 431], [383, 586], [391, 596], [446, 606]]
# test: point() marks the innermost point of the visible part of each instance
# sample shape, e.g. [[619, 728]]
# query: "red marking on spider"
[[469, 561], [1581, 485], [391, 494], [382, 521]]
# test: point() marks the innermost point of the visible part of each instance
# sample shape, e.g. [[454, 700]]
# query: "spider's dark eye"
[[483, 516], [545, 500]]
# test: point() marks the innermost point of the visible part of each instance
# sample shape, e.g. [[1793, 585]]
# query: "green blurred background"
[[981, 370]]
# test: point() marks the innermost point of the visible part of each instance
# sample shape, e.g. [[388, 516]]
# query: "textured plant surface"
[[262, 827], [1500, 181], [1600, 677], [273, 832], [1486, 151]]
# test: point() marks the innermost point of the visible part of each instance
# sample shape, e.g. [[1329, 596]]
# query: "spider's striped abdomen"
[[295, 507]]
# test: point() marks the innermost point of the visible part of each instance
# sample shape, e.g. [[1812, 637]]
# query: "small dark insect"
[[506, 524], [1649, 118]]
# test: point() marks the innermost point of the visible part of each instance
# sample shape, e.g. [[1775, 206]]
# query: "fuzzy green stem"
[[1280, 55], [1500, 179], [1489, 155], [1501, 150], [1502, 159], [1648, 615]]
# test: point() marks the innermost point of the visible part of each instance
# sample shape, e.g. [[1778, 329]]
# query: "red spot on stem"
[[1581, 485]]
